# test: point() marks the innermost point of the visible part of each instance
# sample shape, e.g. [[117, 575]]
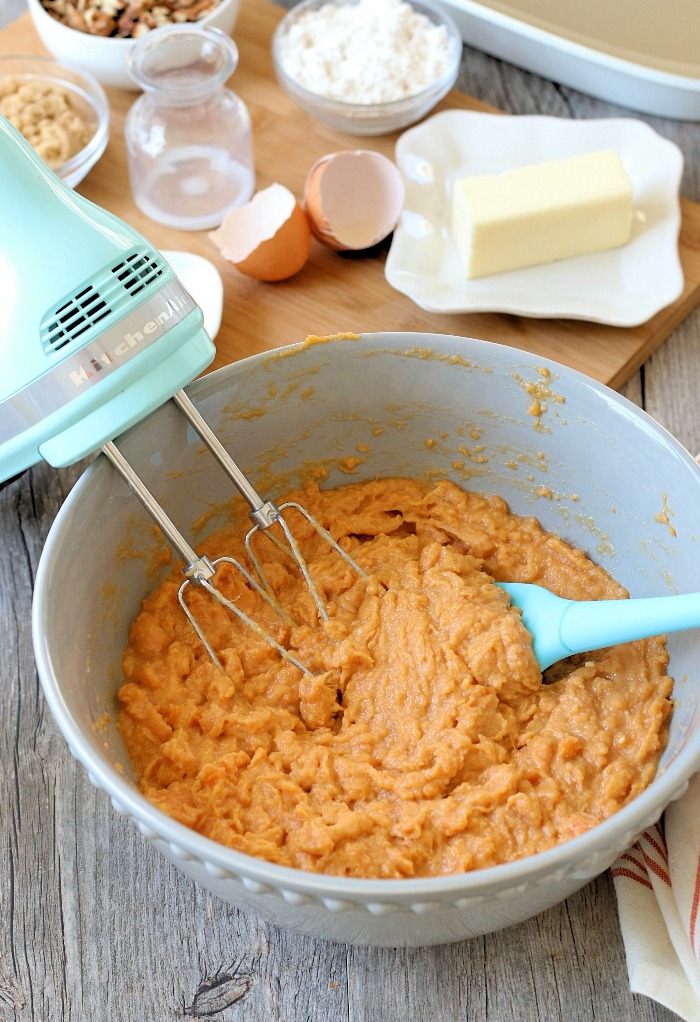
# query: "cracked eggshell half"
[[268, 238], [353, 199]]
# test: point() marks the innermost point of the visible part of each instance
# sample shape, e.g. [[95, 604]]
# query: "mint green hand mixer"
[[99, 332]]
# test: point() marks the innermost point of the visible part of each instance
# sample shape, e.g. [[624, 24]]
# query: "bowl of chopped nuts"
[[97, 35], [62, 113]]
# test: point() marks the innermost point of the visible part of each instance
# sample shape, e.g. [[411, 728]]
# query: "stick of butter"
[[542, 212]]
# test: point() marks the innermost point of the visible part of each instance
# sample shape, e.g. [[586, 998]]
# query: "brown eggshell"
[[268, 238], [313, 205], [353, 199]]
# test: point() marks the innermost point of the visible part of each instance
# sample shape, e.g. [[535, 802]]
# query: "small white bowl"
[[368, 118], [87, 98], [201, 278], [104, 57]]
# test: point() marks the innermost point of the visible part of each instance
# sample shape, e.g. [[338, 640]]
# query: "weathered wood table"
[[95, 926]]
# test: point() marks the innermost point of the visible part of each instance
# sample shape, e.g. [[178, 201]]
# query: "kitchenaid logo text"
[[174, 309]]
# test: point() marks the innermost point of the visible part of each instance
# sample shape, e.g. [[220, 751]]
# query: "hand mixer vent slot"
[[108, 293], [73, 318], [138, 271]]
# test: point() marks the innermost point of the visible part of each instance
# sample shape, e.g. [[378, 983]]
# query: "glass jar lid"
[[183, 63]]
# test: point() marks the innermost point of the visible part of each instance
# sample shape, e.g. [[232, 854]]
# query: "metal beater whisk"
[[199, 571]]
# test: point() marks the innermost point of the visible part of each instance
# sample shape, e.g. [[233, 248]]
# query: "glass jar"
[[188, 137]]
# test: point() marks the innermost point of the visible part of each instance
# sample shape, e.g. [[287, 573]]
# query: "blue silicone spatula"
[[562, 627]]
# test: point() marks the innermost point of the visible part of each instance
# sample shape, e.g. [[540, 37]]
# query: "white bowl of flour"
[[367, 67]]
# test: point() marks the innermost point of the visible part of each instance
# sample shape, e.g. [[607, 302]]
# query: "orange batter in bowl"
[[425, 741]]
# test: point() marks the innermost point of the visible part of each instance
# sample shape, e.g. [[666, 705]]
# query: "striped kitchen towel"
[[657, 883]]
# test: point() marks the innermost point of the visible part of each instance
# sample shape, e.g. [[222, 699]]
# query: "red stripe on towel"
[[629, 857], [658, 846], [654, 866], [620, 871], [694, 908]]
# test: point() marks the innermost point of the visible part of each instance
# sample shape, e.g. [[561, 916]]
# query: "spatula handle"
[[597, 624]]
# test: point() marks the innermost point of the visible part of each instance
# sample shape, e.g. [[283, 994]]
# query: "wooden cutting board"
[[336, 293]]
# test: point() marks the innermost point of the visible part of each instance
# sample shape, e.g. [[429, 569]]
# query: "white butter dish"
[[621, 287]]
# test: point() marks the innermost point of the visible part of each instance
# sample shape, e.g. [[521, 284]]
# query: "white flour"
[[373, 51]]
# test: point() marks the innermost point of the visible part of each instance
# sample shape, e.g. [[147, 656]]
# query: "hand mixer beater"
[[98, 333]]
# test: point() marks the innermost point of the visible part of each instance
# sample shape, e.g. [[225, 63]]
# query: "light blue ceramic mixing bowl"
[[590, 466]]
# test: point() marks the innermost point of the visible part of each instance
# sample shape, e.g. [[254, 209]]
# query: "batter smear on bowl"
[[425, 741]]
